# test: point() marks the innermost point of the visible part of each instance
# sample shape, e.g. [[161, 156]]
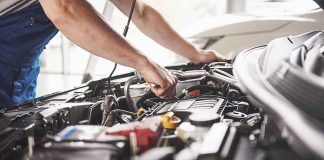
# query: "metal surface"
[[296, 127]]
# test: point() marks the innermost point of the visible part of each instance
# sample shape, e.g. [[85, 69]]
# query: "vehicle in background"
[[230, 34]]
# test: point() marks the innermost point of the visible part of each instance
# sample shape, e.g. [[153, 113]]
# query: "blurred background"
[[63, 65]]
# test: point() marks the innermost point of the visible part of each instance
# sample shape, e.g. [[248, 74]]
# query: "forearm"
[[155, 26], [79, 22]]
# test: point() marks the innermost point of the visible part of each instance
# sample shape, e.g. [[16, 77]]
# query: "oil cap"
[[204, 119]]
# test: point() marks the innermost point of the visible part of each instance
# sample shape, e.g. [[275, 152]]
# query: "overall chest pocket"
[[30, 23]]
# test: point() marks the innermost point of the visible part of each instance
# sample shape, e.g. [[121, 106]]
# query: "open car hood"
[[291, 92]]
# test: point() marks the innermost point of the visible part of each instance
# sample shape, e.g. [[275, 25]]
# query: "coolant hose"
[[129, 99]]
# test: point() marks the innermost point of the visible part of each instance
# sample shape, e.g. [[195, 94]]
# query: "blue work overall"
[[23, 37]]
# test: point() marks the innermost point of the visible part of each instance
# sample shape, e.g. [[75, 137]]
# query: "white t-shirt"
[[10, 6]]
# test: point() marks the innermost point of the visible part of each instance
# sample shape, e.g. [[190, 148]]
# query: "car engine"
[[214, 115]]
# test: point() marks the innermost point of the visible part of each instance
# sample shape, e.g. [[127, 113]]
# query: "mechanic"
[[26, 26]]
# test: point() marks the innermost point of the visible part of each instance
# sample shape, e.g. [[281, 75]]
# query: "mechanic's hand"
[[163, 83], [207, 56]]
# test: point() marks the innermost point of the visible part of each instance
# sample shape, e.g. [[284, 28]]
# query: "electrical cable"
[[124, 34]]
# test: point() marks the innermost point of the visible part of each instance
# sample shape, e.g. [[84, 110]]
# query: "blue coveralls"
[[23, 37]]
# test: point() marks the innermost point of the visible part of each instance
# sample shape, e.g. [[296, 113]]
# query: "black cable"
[[129, 18], [112, 72], [124, 34]]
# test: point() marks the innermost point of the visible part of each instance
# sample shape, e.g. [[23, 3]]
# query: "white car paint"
[[242, 32]]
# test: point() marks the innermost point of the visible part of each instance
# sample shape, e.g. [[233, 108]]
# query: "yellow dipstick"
[[170, 121]]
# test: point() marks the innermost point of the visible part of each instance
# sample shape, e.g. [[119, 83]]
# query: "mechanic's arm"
[[79, 21], [151, 23]]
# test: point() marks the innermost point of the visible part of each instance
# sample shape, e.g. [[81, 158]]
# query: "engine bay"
[[212, 116], [129, 121]]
